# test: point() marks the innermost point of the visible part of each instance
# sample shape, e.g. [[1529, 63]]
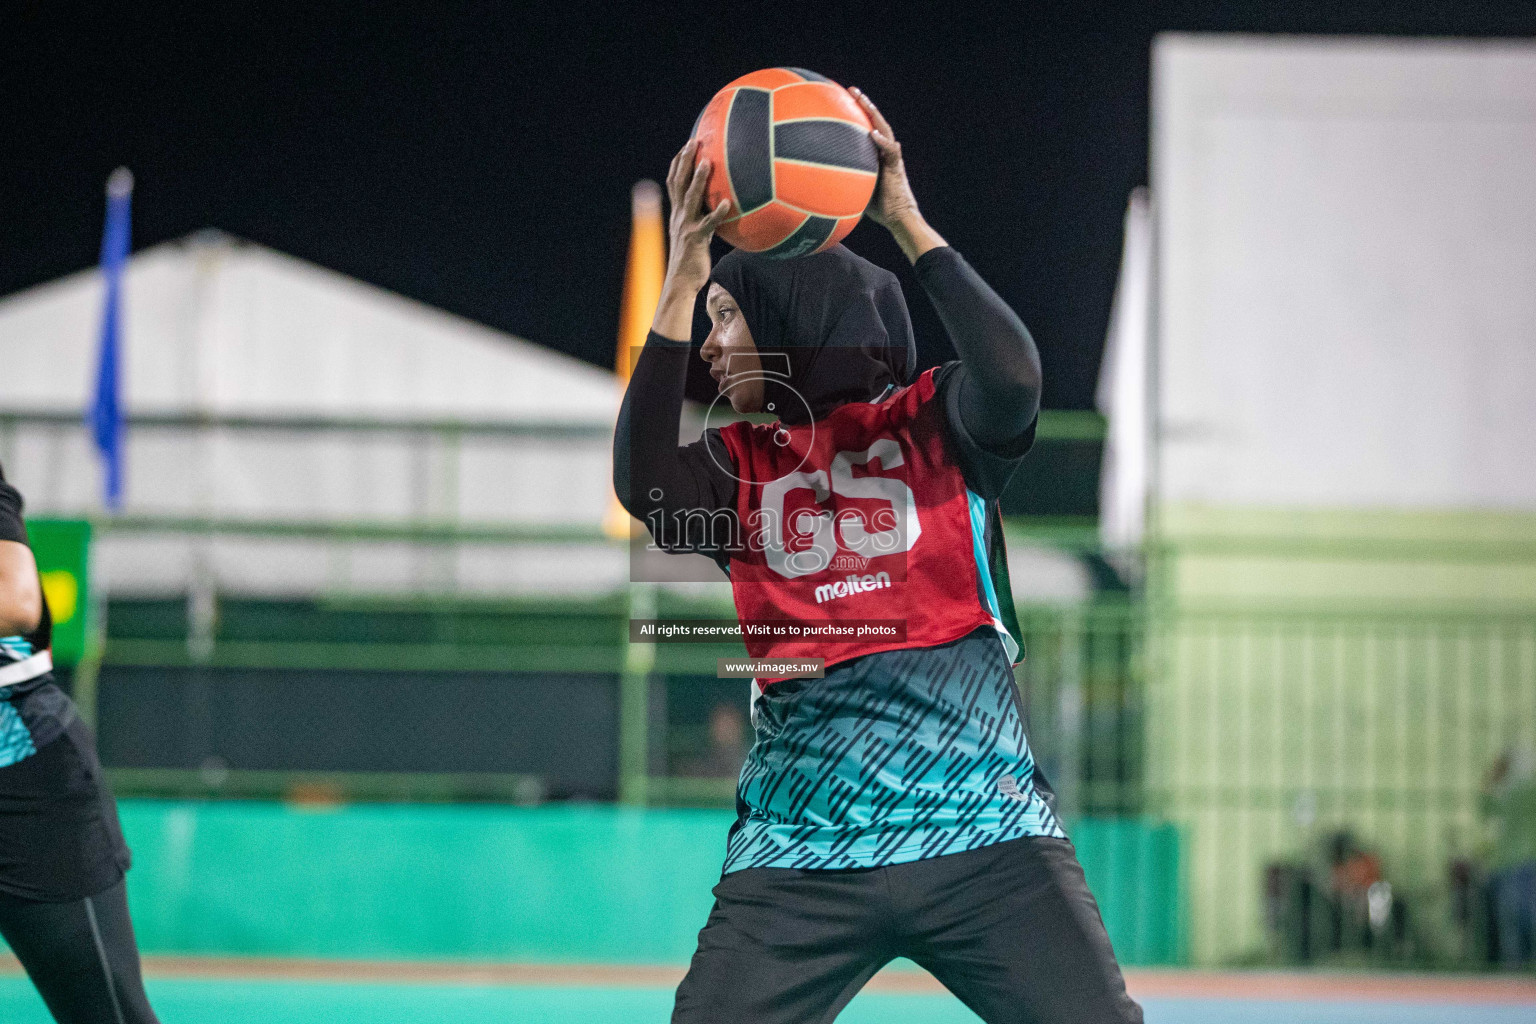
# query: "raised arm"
[[998, 382], [21, 598], [652, 474]]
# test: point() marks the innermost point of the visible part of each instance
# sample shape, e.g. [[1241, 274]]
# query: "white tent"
[[225, 327], [277, 400], [1123, 388]]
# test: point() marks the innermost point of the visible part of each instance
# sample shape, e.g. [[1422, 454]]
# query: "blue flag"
[[105, 417]]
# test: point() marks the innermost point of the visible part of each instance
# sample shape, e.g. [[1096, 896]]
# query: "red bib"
[[859, 517]]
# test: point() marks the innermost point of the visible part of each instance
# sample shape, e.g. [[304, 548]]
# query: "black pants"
[[1011, 929], [80, 955]]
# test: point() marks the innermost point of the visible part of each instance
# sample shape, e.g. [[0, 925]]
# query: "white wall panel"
[[1347, 272]]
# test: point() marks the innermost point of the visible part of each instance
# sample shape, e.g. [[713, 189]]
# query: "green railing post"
[[635, 701], [87, 670]]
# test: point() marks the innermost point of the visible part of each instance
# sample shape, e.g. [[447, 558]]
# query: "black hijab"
[[837, 322]]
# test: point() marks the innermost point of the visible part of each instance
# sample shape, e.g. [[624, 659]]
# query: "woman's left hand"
[[893, 201], [893, 206]]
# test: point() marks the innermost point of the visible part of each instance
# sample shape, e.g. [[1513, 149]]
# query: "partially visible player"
[[893, 807], [63, 909]]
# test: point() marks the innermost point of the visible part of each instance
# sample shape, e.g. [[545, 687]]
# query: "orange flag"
[[642, 291], [643, 277]]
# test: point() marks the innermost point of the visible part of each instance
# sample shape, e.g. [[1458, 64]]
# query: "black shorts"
[[1011, 929], [60, 839]]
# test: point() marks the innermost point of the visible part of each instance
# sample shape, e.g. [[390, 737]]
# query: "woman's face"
[[730, 353]]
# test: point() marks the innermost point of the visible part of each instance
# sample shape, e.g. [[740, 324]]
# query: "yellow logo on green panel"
[[63, 592]]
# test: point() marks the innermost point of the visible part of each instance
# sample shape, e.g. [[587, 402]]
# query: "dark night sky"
[[478, 157]]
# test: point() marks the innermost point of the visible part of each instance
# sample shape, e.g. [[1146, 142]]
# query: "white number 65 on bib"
[[851, 527]]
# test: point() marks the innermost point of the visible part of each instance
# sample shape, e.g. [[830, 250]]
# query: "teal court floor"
[[215, 1000]]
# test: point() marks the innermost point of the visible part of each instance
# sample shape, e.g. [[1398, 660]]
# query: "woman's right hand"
[[690, 228]]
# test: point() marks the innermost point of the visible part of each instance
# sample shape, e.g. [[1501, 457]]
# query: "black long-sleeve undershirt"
[[11, 524], [652, 473], [991, 398], [998, 380]]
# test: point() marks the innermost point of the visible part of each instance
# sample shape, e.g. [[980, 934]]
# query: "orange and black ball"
[[790, 149]]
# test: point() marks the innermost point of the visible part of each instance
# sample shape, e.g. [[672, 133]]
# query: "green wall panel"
[[62, 549], [567, 883], [593, 883], [1133, 868]]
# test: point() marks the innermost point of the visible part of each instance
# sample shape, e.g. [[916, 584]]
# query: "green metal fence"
[[1327, 753], [1327, 764], [1326, 692], [1083, 686], [1307, 717], [1274, 751]]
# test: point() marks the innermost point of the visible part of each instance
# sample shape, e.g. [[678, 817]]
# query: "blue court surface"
[[226, 1001]]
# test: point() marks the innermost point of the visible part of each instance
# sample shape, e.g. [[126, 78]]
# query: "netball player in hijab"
[[63, 909], [891, 808]]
